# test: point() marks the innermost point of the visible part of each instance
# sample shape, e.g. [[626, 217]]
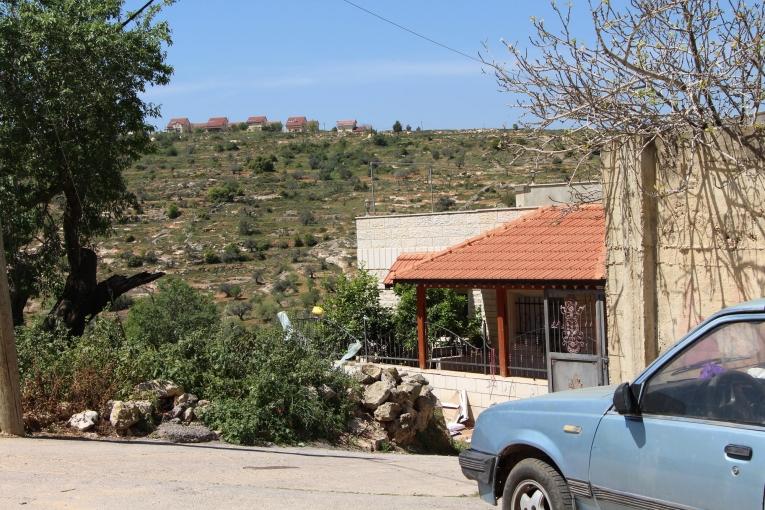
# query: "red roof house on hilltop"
[[216, 124], [346, 125], [295, 124], [179, 125], [256, 122]]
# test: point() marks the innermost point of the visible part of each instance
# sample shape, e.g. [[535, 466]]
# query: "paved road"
[[76, 473]]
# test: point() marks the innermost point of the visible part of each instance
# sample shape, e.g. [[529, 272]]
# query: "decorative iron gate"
[[575, 338]]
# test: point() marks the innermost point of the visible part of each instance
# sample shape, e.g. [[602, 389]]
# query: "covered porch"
[[539, 282]]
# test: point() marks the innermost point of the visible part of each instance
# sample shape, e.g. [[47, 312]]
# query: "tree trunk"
[[84, 298], [11, 421]]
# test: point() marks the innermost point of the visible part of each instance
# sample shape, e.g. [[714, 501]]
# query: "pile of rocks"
[[152, 403], [393, 407]]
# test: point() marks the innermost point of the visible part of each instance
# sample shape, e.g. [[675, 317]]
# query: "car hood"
[[596, 400]]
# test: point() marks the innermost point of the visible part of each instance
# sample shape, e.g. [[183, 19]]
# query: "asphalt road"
[[76, 473]]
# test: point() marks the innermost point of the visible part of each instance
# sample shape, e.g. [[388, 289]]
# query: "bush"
[[173, 312], [230, 290], [246, 227], [211, 257], [172, 211], [232, 253], [263, 164], [307, 217], [239, 309], [225, 192]]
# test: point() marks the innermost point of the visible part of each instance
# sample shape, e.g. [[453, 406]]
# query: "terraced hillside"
[[266, 219]]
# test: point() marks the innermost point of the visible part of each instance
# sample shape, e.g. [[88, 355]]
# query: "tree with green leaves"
[[397, 127], [71, 120]]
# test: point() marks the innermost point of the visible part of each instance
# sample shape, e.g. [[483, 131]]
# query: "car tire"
[[534, 484]]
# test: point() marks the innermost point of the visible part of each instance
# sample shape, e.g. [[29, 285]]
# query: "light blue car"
[[688, 433]]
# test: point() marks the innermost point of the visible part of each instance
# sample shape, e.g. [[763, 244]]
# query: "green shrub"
[[230, 290], [239, 309], [173, 312], [263, 164], [232, 253], [172, 211], [225, 192]]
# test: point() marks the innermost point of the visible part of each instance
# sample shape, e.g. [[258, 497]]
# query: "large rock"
[[415, 378], [184, 433], [406, 392], [425, 406], [375, 394], [388, 411], [390, 375], [186, 398], [372, 371], [124, 415], [83, 421], [362, 378], [403, 431], [160, 388]]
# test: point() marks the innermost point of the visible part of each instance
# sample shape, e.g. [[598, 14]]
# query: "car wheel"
[[535, 485]]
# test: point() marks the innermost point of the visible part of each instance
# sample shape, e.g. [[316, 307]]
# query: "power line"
[[402, 27], [135, 14]]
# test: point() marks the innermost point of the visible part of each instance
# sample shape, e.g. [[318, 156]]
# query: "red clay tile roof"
[[179, 120], [351, 123], [402, 263], [296, 122], [215, 122], [257, 119], [550, 244]]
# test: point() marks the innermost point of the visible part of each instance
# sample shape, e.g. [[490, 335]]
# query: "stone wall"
[[535, 195], [685, 237], [482, 390]]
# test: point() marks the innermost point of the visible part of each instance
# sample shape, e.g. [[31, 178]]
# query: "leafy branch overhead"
[[664, 71], [71, 120]]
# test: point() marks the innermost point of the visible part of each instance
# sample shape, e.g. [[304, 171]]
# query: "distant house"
[[256, 123], [346, 126], [216, 124], [362, 128], [179, 125], [297, 124]]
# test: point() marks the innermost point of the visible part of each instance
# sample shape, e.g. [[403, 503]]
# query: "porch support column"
[[502, 328], [422, 327]]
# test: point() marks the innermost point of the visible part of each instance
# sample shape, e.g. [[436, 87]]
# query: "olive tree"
[[71, 120]]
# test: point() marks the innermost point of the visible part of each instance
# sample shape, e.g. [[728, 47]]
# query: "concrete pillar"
[[502, 327]]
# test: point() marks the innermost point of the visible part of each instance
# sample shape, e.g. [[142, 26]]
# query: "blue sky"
[[329, 61]]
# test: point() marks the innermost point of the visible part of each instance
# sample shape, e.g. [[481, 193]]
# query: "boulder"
[[390, 375], [160, 388], [186, 398], [375, 394], [372, 371], [424, 406], [388, 411], [177, 411], [415, 378], [177, 433], [124, 415], [83, 421], [188, 415], [403, 431], [405, 392]]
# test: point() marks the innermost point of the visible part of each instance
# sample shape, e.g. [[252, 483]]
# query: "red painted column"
[[422, 327], [502, 328]]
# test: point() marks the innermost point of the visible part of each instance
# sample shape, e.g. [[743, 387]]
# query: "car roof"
[[755, 305]]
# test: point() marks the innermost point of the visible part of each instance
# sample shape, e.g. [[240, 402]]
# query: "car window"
[[721, 376]]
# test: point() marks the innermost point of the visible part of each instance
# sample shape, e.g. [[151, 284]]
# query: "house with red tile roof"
[[216, 124], [297, 124], [179, 125], [257, 122], [535, 274], [346, 126]]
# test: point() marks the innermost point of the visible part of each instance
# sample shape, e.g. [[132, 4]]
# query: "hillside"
[[273, 214]]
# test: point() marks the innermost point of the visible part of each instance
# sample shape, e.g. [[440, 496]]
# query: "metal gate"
[[575, 338]]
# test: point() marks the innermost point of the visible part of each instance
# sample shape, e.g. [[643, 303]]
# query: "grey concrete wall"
[[536, 195], [685, 237]]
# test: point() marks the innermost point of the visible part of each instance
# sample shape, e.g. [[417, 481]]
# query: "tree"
[[673, 71], [239, 309], [397, 127], [11, 421], [71, 120]]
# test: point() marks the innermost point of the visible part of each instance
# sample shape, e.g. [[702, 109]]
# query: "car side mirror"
[[625, 401]]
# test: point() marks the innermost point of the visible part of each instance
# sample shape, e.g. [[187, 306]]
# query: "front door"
[[700, 439], [575, 339]]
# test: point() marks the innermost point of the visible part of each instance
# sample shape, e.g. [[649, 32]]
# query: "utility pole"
[[430, 183], [11, 421], [372, 180]]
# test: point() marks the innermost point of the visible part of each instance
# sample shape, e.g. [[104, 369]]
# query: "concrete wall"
[[535, 195], [685, 237], [482, 390]]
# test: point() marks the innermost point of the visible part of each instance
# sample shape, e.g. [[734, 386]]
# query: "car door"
[[699, 441]]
